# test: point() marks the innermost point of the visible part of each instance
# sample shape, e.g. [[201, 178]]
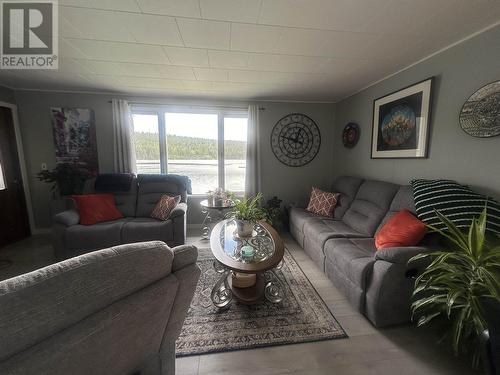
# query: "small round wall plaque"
[[350, 135], [480, 115]]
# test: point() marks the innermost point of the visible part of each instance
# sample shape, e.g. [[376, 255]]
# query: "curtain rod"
[[191, 105]]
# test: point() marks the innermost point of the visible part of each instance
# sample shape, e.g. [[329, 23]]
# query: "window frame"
[[161, 110]]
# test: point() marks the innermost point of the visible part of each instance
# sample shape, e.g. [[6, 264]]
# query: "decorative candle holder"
[[247, 252]]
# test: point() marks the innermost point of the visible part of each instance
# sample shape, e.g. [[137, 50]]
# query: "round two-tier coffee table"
[[247, 279]]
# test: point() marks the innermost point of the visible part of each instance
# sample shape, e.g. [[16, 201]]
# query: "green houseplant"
[[66, 178], [246, 212], [456, 283]]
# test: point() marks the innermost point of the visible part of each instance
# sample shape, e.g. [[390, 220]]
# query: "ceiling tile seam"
[[259, 14], [203, 66], [226, 50], [139, 6], [199, 9], [179, 31], [242, 22]]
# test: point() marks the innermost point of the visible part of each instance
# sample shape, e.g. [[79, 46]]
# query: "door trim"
[[22, 164]]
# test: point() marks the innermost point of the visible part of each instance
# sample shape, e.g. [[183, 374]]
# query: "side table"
[[213, 214]]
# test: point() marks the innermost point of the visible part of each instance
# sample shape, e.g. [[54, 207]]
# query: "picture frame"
[[401, 122]]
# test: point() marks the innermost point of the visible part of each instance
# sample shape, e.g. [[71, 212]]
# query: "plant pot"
[[244, 228]]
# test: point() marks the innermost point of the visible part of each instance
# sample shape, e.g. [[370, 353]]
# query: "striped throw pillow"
[[457, 202]]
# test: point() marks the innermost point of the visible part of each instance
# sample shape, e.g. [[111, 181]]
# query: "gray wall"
[[290, 184], [453, 154], [6, 95]]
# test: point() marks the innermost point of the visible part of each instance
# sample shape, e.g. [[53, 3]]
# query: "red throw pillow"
[[165, 206], [322, 202], [403, 229], [96, 208]]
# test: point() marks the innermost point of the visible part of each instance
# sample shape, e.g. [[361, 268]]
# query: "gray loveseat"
[[116, 311], [69, 238], [377, 283]]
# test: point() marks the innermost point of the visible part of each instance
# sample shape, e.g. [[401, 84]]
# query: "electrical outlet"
[[44, 166]]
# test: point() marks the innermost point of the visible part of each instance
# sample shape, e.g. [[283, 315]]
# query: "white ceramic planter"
[[244, 228]]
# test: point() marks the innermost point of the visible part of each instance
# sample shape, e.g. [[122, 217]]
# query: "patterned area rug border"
[[335, 331]]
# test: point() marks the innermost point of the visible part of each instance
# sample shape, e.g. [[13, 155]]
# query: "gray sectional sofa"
[[74, 318], [69, 238], [377, 283]]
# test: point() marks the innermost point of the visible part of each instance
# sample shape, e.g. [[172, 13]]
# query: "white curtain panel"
[[123, 143], [252, 177]]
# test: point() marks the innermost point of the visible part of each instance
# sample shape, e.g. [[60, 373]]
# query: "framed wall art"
[[401, 122], [75, 137]]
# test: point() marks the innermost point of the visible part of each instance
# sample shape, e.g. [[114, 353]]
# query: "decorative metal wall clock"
[[480, 115], [295, 140]]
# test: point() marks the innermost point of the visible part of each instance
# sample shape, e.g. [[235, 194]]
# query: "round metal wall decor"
[[480, 115], [350, 135], [295, 140]]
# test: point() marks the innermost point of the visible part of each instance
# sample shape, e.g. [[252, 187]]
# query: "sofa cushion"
[[126, 201], [318, 230], [147, 229], [96, 208], [165, 206], [403, 200], [403, 229], [152, 188], [354, 257], [347, 187], [322, 202], [93, 237], [370, 206]]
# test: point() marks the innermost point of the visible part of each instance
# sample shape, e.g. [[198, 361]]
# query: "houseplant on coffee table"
[[458, 282], [246, 212]]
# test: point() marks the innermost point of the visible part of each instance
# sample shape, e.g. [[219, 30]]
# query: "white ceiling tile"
[[122, 5], [95, 24], [138, 70], [150, 29], [180, 8], [187, 56], [67, 50], [343, 15], [208, 74], [300, 64], [125, 52], [204, 34], [231, 10], [151, 82], [227, 59]]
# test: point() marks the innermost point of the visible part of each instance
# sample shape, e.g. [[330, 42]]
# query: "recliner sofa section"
[[377, 283], [70, 238]]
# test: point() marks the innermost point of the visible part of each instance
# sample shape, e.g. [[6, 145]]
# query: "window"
[[209, 146]]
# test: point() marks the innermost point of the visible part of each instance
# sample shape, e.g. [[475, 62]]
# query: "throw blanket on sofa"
[[457, 202]]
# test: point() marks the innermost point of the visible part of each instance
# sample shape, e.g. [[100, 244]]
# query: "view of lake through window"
[[192, 147]]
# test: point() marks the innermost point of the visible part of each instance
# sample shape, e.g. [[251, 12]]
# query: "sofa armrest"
[[179, 210], [67, 218], [184, 255], [401, 255]]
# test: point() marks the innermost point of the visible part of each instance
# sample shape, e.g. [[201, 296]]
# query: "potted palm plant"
[[246, 212], [457, 283]]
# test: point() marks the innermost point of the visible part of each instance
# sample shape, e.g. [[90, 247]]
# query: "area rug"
[[302, 316]]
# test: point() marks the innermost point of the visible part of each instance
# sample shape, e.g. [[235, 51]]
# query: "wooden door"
[[14, 223]]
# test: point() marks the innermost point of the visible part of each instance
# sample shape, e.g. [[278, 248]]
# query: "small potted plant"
[[246, 212], [66, 178]]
